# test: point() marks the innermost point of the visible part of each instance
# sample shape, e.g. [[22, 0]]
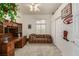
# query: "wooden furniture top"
[[17, 39]]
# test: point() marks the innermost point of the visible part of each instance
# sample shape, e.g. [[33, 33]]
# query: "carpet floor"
[[38, 50]]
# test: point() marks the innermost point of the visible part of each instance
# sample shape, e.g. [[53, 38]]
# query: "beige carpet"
[[38, 50]]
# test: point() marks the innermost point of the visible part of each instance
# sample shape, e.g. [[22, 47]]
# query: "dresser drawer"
[[11, 53], [8, 49]]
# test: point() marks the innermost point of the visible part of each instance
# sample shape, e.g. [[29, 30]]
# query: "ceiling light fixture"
[[34, 7]]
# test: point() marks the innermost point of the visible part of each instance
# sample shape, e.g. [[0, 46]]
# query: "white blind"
[[40, 26]]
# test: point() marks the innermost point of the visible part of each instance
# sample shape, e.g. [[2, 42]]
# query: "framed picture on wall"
[[66, 14], [29, 26], [66, 11]]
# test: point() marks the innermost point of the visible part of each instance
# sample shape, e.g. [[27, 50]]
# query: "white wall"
[[57, 28], [30, 19], [76, 28]]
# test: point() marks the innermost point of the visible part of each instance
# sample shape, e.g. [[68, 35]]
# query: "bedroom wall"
[[57, 28], [31, 19], [76, 28]]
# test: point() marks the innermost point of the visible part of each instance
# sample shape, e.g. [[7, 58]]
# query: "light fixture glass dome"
[[34, 7]]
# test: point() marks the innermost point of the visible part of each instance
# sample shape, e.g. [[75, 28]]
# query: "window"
[[40, 26]]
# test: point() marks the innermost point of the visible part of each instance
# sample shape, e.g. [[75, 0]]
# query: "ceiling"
[[45, 8]]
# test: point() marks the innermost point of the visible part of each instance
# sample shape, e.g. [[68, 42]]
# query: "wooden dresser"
[[0, 46], [20, 42], [1, 35], [8, 49]]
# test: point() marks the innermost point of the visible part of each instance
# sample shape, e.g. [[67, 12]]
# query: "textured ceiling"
[[45, 8]]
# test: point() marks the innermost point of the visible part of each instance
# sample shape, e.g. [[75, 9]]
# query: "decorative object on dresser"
[[40, 38]]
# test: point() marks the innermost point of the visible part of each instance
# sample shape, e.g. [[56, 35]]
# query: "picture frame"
[[66, 11], [66, 14], [29, 26]]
